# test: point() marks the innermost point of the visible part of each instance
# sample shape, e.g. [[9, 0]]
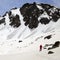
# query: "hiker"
[[40, 47]]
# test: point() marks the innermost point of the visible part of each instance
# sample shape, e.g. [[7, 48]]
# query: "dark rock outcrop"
[[56, 44], [48, 37], [15, 21], [50, 52], [19, 41], [44, 21], [30, 13], [2, 21]]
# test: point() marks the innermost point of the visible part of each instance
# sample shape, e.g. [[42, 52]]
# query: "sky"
[[6, 5]]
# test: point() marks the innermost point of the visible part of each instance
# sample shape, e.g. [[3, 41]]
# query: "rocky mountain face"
[[27, 23], [33, 14]]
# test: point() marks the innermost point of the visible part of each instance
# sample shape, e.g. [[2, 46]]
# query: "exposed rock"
[[9, 13], [55, 16], [50, 52], [44, 21], [56, 44], [31, 14], [15, 21], [49, 48], [20, 41], [2, 21], [48, 37], [46, 6]]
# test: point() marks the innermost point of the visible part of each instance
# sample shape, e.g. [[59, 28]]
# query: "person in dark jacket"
[[40, 47]]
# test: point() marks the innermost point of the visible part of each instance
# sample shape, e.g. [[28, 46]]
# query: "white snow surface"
[[28, 49]]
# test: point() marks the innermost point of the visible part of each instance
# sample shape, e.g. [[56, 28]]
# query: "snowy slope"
[[16, 37], [32, 51]]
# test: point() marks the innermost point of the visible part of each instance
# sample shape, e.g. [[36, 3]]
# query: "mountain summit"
[[21, 27], [33, 14]]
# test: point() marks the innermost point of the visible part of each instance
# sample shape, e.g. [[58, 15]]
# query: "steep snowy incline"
[[19, 28]]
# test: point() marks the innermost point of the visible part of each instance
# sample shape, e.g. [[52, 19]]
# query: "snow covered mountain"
[[25, 29]]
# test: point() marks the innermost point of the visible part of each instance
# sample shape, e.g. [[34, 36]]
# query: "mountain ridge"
[[21, 27]]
